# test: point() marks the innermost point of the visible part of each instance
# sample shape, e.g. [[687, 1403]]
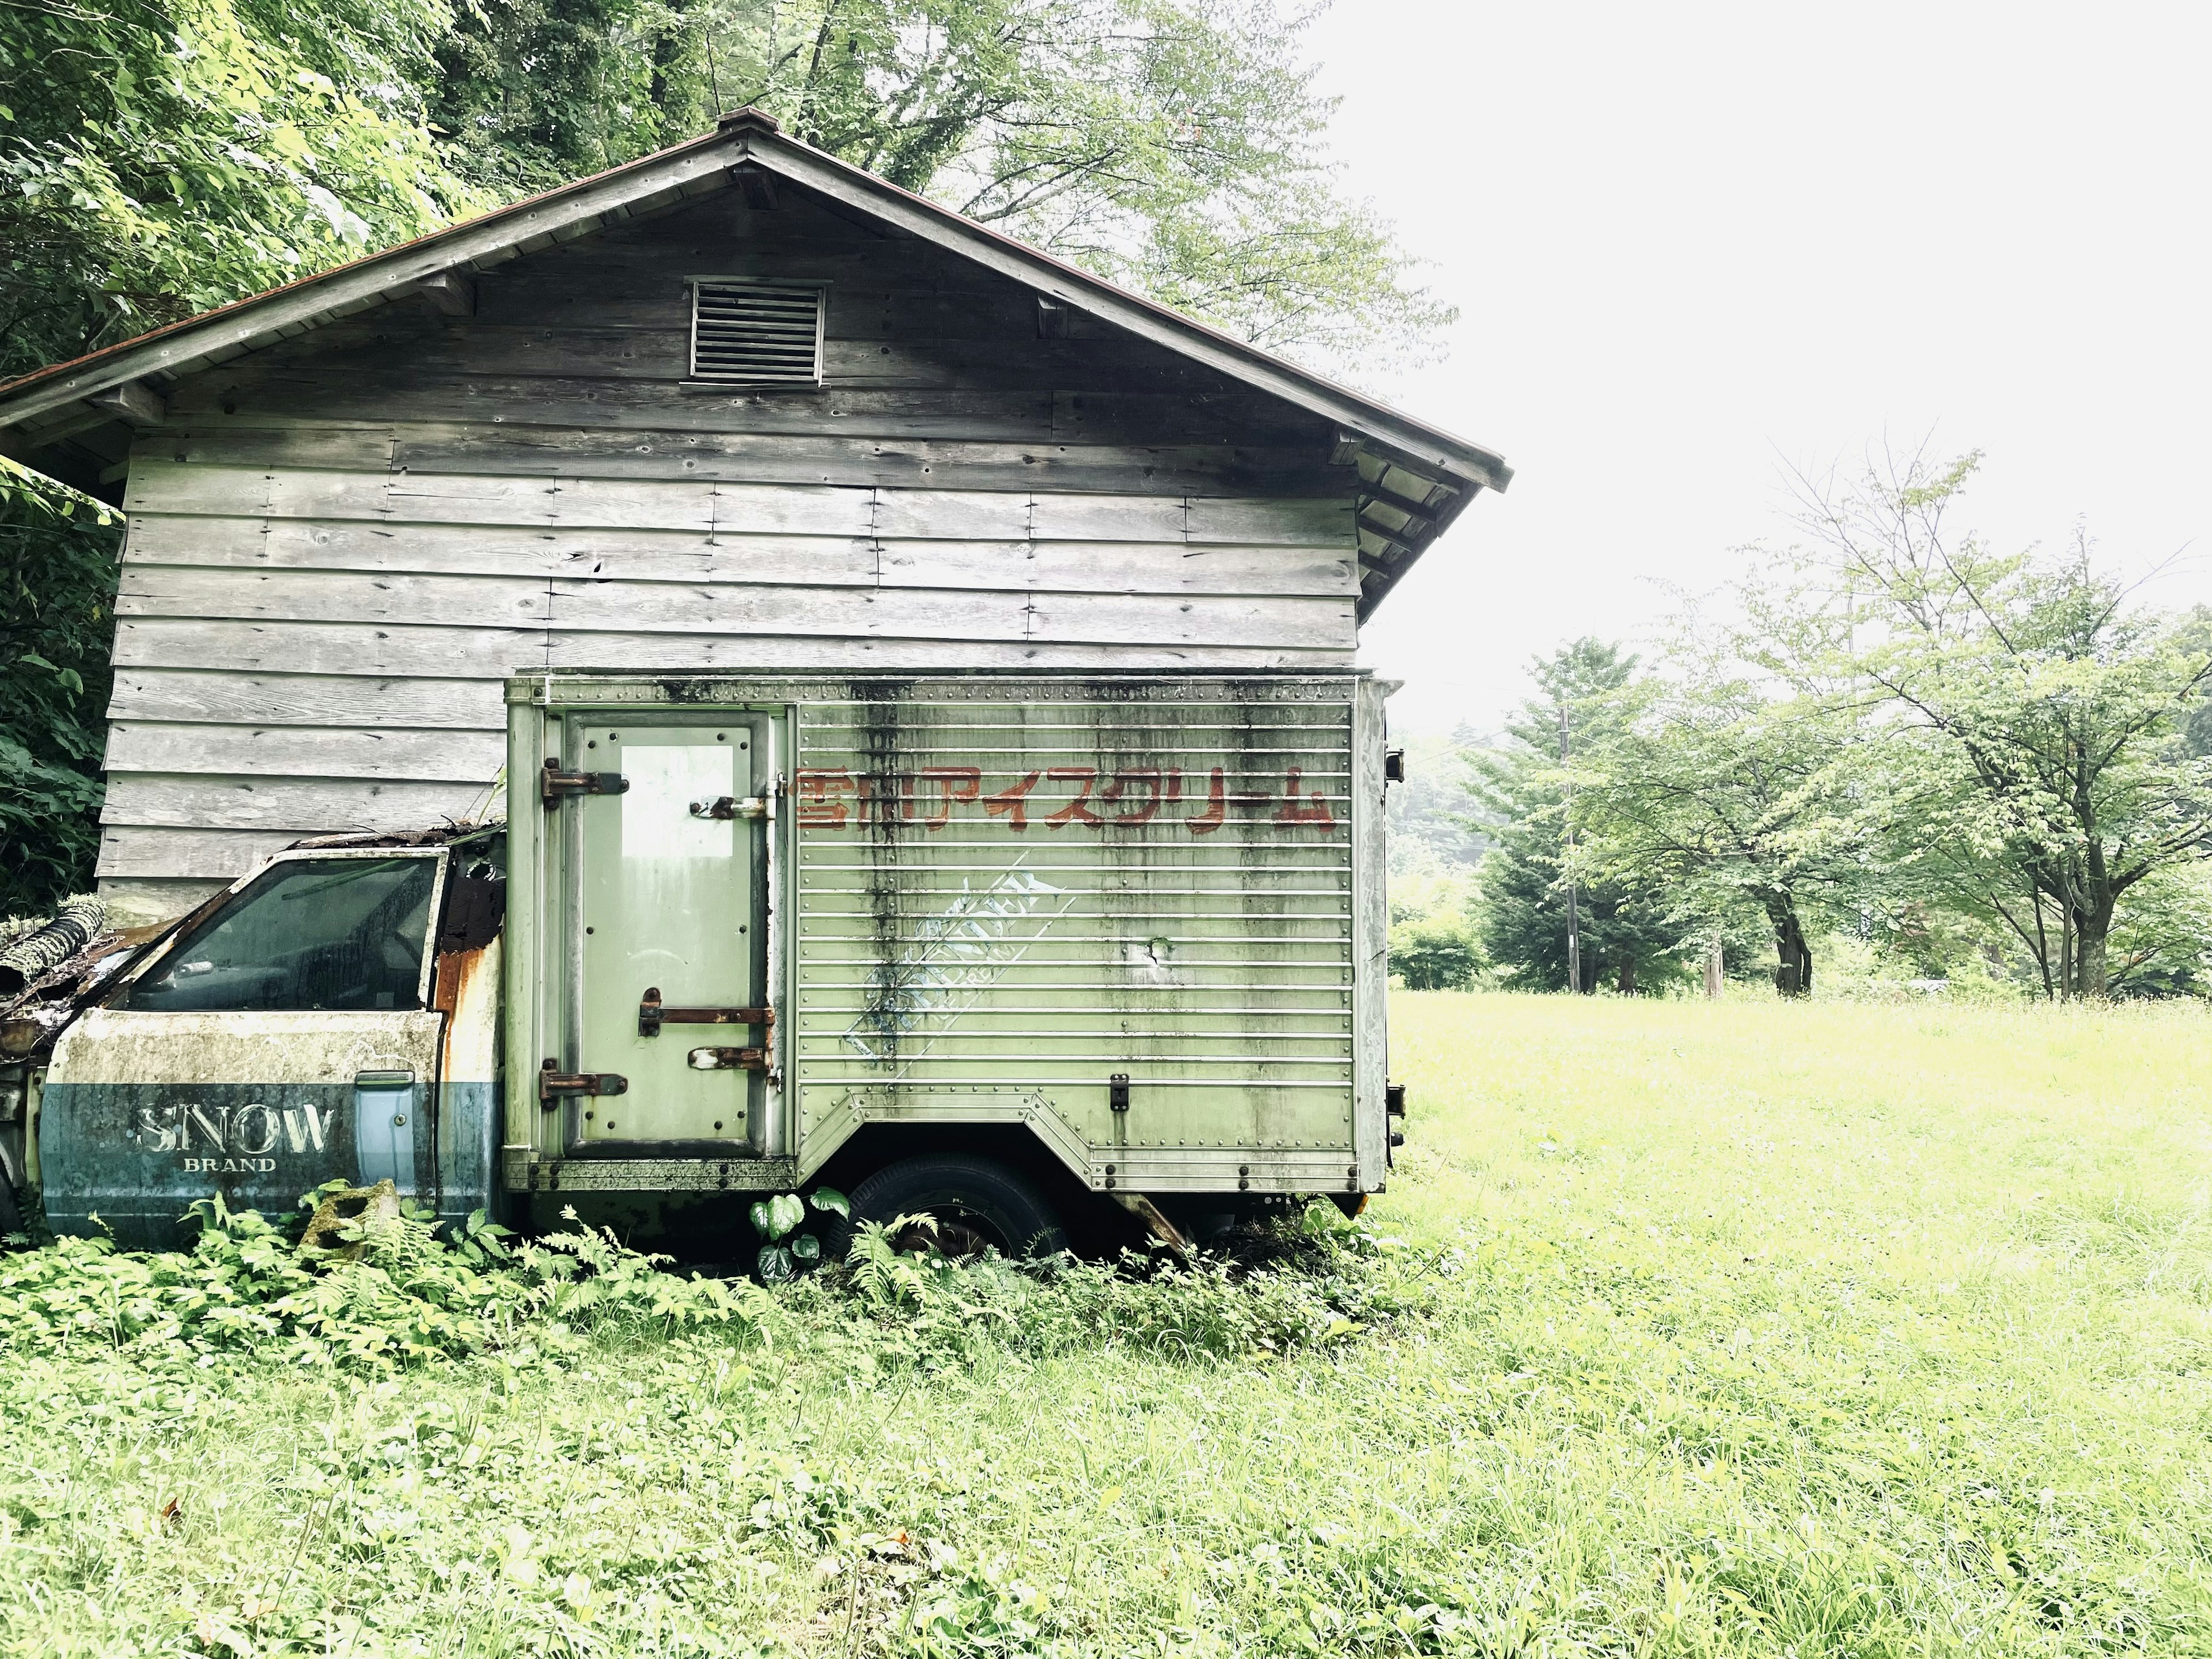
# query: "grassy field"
[[1728, 1329]]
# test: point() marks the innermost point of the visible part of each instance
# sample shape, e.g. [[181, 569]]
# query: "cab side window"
[[310, 934]]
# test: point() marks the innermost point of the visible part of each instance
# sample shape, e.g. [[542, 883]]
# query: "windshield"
[[309, 934]]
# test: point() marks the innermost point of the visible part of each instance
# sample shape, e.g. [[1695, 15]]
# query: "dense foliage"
[[58, 572]]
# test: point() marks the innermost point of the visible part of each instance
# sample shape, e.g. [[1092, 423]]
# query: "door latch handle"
[[652, 1016], [400, 1079], [554, 1084], [729, 806], [728, 1059], [555, 785]]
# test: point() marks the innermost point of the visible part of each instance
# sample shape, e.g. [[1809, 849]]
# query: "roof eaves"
[[495, 237], [1426, 445], [488, 238]]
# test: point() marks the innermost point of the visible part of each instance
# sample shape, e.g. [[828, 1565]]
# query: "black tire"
[[11, 1208], [974, 1200]]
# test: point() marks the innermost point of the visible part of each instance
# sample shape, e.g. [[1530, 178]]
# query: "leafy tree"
[[1727, 799], [57, 582], [2036, 725], [1524, 784], [1175, 146], [155, 161], [1436, 952], [161, 160]]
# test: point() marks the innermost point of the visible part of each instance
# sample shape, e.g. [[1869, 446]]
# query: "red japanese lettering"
[[1078, 810], [956, 785], [1217, 808], [1011, 803], [821, 791], [1317, 815], [1149, 778]]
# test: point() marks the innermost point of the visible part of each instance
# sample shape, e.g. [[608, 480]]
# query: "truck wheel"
[[977, 1202]]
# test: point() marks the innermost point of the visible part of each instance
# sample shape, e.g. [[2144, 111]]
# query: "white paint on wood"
[[220, 695], [430, 754], [675, 556], [300, 805], [146, 850], [344, 648]]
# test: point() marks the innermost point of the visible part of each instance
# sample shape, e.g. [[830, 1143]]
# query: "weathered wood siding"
[[338, 546]]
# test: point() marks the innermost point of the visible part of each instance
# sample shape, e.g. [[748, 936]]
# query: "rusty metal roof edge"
[[745, 134]]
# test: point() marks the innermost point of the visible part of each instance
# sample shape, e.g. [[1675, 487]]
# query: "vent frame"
[[736, 289]]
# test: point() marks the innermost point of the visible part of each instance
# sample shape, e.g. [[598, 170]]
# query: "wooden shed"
[[736, 406]]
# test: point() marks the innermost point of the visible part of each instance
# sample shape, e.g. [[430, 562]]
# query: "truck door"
[[282, 1039], [667, 882]]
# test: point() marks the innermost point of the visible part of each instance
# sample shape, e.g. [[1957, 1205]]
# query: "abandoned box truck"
[[725, 676]]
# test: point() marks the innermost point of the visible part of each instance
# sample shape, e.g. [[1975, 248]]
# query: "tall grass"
[[1735, 1329]]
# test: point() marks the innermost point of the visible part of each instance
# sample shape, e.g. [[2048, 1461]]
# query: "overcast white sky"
[[1693, 243]]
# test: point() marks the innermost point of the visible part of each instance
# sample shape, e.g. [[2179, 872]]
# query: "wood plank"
[[955, 515], [1228, 415], [302, 807], [506, 450], [1291, 524], [205, 696], [346, 648], [1009, 566], [457, 604], [140, 851], [678, 653], [443, 549], [870, 298], [325, 448], [1117, 568], [302, 752], [409, 343], [847, 612], [133, 901], [801, 509], [354, 648], [1112, 618], [614, 404], [1109, 519]]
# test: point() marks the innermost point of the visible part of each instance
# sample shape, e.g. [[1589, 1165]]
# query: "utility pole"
[[1574, 919]]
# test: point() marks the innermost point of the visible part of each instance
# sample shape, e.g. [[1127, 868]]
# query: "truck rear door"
[[669, 1037], [284, 1039]]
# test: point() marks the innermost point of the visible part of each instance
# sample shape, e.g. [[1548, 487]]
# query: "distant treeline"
[[1891, 746]]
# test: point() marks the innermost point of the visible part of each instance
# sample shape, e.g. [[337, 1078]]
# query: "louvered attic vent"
[[758, 334]]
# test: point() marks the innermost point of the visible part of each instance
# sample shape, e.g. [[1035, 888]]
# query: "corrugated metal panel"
[[1028, 889]]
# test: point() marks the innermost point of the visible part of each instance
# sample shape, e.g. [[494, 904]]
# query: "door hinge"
[[554, 1083], [727, 1059], [730, 806], [1117, 1092], [1394, 765], [555, 785], [652, 1016]]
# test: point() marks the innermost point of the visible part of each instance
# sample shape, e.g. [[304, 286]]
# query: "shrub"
[[406, 1297]]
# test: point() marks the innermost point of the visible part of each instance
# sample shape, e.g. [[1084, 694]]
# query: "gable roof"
[[1415, 478]]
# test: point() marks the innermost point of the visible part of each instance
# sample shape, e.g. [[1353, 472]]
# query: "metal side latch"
[[554, 1084], [730, 806], [555, 785], [651, 1015]]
